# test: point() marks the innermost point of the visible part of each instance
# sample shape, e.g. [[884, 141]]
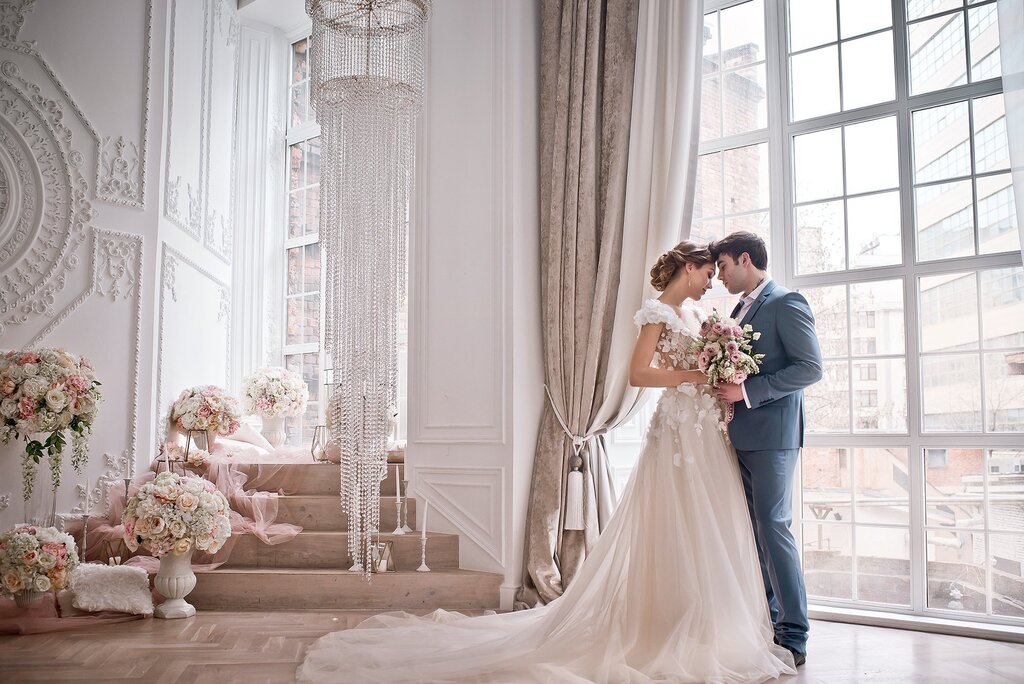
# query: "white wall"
[[475, 368], [126, 264], [145, 285]]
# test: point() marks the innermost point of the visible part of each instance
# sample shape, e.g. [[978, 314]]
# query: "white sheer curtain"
[[1011, 54], [663, 137]]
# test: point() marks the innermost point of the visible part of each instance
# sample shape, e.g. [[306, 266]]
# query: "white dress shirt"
[[748, 302]]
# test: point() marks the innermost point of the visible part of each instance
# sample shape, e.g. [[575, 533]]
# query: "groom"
[[768, 427]]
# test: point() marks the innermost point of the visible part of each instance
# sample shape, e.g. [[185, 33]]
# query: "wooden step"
[[307, 478], [329, 550], [293, 589], [323, 512]]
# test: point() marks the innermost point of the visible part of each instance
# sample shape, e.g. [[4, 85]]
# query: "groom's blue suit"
[[768, 437]]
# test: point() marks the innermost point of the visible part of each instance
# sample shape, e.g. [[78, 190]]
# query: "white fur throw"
[[122, 588]]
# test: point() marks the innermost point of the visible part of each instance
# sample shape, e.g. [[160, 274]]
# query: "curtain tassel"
[[574, 501]]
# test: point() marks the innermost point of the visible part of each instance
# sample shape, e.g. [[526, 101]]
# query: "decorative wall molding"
[[197, 209], [98, 499], [5, 501], [223, 40], [117, 264], [450, 490], [121, 170], [48, 208], [176, 189], [170, 264], [12, 17], [120, 166], [423, 428], [116, 267]]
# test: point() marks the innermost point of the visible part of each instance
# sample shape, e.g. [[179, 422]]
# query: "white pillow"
[[121, 588]]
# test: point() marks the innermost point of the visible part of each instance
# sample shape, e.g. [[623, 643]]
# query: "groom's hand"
[[730, 393]]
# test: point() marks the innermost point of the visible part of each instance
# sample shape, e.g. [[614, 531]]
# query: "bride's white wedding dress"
[[671, 592]]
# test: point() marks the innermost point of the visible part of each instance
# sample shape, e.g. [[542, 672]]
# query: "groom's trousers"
[[768, 482]]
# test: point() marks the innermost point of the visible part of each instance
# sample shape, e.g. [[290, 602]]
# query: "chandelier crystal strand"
[[366, 78]]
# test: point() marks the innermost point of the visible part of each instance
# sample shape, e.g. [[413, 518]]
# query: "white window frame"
[[294, 135], [782, 263]]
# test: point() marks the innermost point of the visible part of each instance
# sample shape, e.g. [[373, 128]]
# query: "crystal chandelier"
[[366, 78]]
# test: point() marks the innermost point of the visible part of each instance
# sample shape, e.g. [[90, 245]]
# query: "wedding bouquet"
[[35, 559], [46, 392], [176, 513], [275, 393], [206, 407], [724, 350]]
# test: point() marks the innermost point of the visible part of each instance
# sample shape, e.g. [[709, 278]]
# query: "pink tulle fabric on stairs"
[[250, 474]]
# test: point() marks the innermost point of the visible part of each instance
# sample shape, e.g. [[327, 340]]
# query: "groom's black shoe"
[[798, 657]]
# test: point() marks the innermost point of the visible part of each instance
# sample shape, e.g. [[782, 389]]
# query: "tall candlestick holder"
[[399, 529], [85, 535], [405, 508], [423, 556]]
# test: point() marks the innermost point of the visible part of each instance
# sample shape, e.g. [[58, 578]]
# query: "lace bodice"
[[686, 406], [681, 329]]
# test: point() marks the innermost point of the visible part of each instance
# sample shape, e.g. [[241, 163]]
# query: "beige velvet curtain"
[[601, 228], [588, 51]]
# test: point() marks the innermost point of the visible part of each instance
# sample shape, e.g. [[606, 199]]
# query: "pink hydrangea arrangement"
[[176, 514], [206, 407], [275, 393], [46, 392], [35, 559]]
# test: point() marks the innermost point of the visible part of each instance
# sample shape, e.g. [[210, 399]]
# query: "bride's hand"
[[699, 378]]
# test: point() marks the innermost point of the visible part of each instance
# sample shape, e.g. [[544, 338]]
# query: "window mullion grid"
[[915, 452]]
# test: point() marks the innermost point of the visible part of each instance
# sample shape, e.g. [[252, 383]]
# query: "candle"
[[423, 520]]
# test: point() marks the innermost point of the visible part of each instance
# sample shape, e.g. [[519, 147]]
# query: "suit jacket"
[[792, 362]]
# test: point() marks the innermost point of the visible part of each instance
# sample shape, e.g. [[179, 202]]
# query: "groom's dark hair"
[[735, 244]]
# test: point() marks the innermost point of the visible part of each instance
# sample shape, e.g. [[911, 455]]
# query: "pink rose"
[[26, 408], [8, 386], [734, 357], [29, 357], [718, 328], [737, 331], [739, 377], [732, 347]]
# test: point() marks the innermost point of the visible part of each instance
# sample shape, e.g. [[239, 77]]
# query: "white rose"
[[34, 387], [16, 374], [56, 399], [9, 407], [30, 369], [42, 583], [47, 560]]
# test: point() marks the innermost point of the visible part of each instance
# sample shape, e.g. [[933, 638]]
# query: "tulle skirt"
[[671, 592]]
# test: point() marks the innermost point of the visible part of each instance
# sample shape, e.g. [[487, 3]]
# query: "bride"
[[672, 590]]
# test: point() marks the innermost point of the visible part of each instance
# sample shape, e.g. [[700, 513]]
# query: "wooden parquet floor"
[[253, 648]]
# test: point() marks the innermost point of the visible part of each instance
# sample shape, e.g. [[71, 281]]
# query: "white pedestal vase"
[[273, 430], [27, 598], [175, 580]]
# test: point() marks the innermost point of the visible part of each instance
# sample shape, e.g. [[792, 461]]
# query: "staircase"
[[311, 570]]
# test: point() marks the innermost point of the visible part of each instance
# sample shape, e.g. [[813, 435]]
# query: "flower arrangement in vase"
[[207, 408], [34, 560], [173, 516], [275, 394], [43, 393]]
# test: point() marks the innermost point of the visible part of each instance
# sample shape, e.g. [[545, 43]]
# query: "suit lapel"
[[762, 298]]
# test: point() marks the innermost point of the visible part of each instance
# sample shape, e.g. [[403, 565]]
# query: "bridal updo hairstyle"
[[670, 262]]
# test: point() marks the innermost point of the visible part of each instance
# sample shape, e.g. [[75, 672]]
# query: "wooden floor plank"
[[251, 647]]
